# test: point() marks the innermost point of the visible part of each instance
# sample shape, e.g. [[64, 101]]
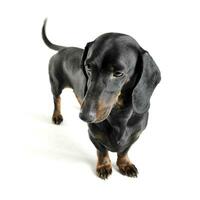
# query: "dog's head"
[[110, 63]]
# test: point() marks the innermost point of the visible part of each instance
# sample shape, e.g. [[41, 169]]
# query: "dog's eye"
[[118, 74]]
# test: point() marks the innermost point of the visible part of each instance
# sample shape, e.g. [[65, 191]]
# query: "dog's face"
[[109, 63], [106, 73], [103, 90]]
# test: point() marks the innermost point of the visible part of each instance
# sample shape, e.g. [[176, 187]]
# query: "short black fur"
[[113, 79]]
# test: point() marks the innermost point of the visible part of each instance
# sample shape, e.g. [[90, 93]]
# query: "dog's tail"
[[46, 40]]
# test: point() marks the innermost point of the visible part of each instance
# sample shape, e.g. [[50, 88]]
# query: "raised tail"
[[46, 40]]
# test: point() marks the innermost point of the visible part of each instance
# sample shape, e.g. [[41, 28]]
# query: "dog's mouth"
[[97, 117], [103, 116], [97, 112]]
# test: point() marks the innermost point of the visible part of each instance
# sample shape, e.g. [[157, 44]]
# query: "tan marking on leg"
[[57, 102], [103, 159], [57, 117], [125, 166], [103, 168], [123, 159]]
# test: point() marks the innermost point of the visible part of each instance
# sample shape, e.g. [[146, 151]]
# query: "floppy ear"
[[85, 52], [84, 56], [149, 78]]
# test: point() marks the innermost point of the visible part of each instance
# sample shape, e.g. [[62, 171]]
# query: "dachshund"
[[113, 79]]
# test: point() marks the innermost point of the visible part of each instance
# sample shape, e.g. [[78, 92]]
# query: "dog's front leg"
[[104, 168], [126, 167]]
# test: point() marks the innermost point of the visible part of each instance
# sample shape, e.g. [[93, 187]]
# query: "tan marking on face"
[[101, 109], [104, 108], [120, 101]]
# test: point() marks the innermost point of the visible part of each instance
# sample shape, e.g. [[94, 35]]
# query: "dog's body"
[[113, 80]]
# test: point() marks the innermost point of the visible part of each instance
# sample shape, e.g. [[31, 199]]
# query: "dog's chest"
[[115, 135], [114, 138]]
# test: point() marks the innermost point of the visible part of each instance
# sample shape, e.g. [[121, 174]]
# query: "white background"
[[39, 160]]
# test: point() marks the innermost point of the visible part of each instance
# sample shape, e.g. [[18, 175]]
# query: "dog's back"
[[65, 69]]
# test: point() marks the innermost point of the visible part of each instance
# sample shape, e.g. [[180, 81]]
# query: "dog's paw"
[[57, 119], [104, 171], [128, 169]]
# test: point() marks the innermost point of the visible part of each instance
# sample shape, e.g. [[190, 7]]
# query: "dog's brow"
[[117, 67]]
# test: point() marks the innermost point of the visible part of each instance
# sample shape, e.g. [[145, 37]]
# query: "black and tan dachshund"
[[113, 79]]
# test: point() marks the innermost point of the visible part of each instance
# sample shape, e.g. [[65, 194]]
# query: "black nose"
[[87, 117]]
